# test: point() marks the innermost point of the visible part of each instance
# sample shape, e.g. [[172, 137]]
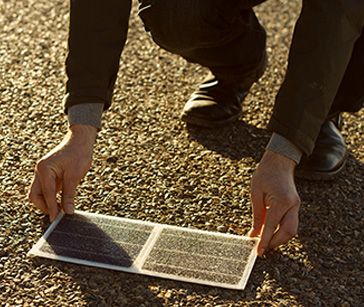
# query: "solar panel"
[[158, 250]]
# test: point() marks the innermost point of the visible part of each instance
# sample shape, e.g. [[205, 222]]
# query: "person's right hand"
[[62, 170]]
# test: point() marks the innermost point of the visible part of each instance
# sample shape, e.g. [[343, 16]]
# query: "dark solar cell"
[[97, 239]]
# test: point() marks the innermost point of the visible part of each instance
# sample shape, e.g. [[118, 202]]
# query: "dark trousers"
[[226, 37], [223, 35], [350, 96]]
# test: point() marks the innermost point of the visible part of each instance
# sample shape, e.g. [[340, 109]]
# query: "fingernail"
[[261, 252], [52, 218], [69, 208]]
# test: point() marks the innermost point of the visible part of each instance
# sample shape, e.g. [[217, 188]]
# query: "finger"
[[259, 213], [68, 194], [287, 229], [273, 218], [35, 194], [49, 189]]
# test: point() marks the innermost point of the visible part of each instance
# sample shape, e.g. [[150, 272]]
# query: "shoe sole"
[[325, 176], [209, 124]]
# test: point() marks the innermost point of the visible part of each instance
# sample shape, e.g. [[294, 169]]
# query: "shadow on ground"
[[234, 141]]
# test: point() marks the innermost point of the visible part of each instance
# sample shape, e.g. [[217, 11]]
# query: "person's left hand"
[[275, 201]]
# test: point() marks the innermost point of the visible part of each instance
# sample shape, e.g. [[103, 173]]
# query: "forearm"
[[97, 35], [321, 49]]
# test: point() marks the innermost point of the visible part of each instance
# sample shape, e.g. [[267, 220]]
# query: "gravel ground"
[[150, 166]]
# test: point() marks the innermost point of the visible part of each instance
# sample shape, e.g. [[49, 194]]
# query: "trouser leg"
[[227, 38], [98, 30], [350, 96], [329, 154]]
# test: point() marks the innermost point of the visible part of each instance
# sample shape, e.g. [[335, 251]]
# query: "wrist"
[[83, 129], [279, 160], [80, 138], [82, 133]]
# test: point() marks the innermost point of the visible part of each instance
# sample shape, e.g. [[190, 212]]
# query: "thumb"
[[68, 195]]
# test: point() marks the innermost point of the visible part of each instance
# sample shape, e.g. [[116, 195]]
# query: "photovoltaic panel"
[[153, 249], [199, 256]]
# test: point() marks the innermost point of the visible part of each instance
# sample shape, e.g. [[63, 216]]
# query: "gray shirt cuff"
[[86, 113], [284, 147]]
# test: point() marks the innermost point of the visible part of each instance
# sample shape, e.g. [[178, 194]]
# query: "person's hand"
[[275, 201], [62, 170]]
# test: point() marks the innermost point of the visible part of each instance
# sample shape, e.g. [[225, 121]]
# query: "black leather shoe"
[[329, 155], [218, 102]]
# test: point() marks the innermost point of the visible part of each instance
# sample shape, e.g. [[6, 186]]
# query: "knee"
[[172, 24], [189, 24]]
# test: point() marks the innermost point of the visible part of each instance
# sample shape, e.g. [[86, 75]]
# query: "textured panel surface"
[[98, 239], [148, 248], [199, 255]]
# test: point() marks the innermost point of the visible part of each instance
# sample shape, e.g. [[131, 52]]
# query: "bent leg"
[[226, 38], [350, 96]]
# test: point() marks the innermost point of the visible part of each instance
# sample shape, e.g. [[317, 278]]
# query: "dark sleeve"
[[321, 48], [98, 30]]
